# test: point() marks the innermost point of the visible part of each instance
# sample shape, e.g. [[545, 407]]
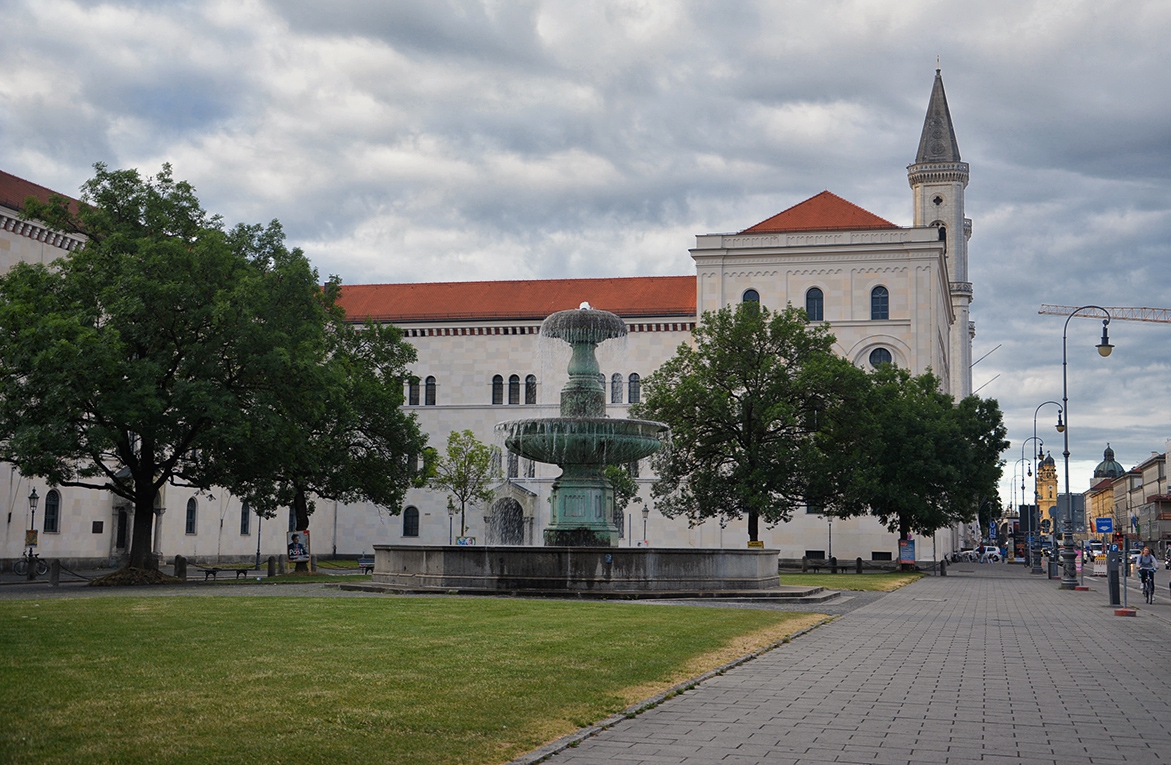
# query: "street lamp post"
[[646, 513], [1033, 532], [1069, 568], [32, 506], [1036, 494]]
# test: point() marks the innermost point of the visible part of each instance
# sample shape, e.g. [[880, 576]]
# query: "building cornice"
[[13, 223], [938, 172]]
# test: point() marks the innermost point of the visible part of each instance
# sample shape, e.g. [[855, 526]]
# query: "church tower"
[[938, 179], [1047, 490]]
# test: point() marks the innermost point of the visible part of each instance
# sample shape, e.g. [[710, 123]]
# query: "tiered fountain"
[[580, 554], [583, 440]]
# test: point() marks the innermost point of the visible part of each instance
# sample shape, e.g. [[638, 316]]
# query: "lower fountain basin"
[[584, 440]]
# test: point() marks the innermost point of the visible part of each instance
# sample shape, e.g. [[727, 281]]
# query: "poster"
[[906, 551], [299, 546]]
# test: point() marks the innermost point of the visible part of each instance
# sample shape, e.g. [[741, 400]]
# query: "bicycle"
[[1148, 577], [40, 567]]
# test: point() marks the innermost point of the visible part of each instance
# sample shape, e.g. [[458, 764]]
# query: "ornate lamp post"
[[32, 506], [1036, 495], [1069, 568], [646, 513], [1041, 455]]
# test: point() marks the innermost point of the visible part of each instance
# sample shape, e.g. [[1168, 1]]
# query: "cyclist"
[[1146, 570]]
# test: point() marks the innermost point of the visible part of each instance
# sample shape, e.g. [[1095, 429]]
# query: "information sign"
[[906, 551], [1104, 525]]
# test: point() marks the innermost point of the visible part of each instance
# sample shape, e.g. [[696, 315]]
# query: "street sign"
[[1104, 525]]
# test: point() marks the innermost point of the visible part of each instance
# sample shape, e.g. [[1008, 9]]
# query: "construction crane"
[[1122, 313]]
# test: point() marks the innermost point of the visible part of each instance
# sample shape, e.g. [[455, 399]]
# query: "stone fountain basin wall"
[[570, 569]]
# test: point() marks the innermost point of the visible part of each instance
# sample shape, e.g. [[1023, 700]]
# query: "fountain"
[[583, 441], [580, 556]]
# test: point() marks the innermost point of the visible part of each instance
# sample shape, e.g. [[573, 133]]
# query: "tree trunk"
[[463, 526], [301, 510], [753, 526], [141, 555]]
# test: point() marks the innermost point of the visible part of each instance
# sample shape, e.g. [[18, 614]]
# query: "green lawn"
[[880, 582], [338, 680]]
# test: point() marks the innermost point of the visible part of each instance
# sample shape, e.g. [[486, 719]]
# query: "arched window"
[[880, 356], [815, 304], [634, 389], [531, 389], [497, 390], [413, 392], [245, 520], [52, 512], [750, 296], [879, 304], [513, 390], [615, 388], [411, 522], [429, 392], [192, 507]]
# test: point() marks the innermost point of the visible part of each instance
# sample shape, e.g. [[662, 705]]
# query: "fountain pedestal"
[[583, 510]]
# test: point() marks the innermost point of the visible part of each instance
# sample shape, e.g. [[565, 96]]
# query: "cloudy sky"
[[439, 141]]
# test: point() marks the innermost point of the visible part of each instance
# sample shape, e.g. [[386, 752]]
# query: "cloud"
[[415, 140]]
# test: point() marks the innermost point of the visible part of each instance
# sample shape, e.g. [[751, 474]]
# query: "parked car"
[[989, 553]]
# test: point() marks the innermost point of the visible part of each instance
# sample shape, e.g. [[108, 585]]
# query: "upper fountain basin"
[[583, 325], [584, 440]]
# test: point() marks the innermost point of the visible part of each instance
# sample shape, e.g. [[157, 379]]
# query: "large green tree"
[[167, 347], [758, 409], [930, 462], [329, 421]]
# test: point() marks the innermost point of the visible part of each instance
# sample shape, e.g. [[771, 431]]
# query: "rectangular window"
[[99, 527], [245, 520], [815, 554], [53, 512], [880, 556]]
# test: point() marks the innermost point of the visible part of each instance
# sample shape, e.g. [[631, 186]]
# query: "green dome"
[[1108, 468]]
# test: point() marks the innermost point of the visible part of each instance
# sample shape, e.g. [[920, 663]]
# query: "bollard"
[[858, 566], [282, 563], [312, 564], [180, 567], [55, 573], [943, 567], [833, 565], [1113, 580], [272, 565], [804, 564]]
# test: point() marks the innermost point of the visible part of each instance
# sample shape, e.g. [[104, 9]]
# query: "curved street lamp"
[[1069, 567], [1040, 456], [1036, 496]]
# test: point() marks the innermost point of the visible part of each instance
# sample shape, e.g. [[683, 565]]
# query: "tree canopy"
[[169, 350], [756, 410], [930, 462]]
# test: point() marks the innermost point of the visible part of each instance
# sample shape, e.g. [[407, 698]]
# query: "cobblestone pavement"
[[988, 664]]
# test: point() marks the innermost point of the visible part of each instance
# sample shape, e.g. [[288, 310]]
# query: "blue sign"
[[1104, 525], [992, 530]]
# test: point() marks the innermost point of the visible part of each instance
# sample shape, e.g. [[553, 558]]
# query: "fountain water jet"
[[583, 441]]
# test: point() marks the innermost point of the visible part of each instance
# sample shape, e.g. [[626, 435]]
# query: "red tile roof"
[[13, 192], [824, 212], [531, 300], [1105, 483]]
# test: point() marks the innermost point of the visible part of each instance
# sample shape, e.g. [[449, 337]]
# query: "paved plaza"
[[988, 664]]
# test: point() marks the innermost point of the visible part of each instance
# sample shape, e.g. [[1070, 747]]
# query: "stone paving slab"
[[989, 664]]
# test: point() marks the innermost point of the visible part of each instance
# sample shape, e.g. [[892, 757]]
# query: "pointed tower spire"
[[938, 142]]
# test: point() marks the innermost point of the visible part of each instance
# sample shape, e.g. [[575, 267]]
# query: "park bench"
[[366, 564], [209, 572]]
